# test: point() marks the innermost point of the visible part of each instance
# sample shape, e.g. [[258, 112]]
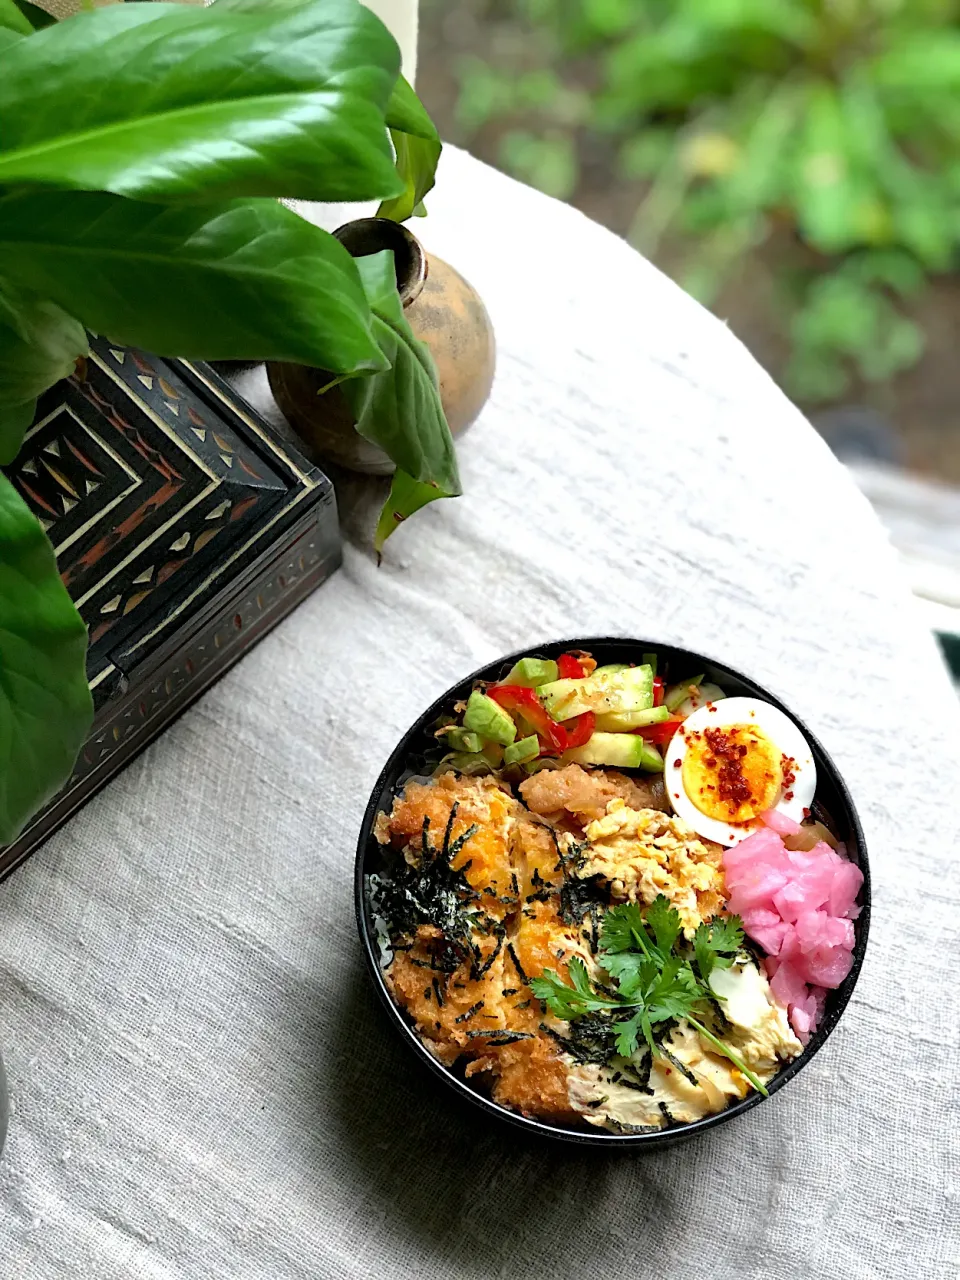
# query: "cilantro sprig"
[[657, 978]]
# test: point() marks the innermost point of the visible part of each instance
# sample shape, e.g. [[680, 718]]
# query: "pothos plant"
[[143, 155]]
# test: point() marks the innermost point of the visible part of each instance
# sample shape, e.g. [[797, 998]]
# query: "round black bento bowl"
[[416, 754]]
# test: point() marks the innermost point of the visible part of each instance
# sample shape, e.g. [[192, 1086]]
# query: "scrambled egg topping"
[[643, 852]]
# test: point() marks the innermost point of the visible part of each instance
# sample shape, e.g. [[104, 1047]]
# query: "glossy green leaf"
[[407, 114], [166, 101], [39, 344], [417, 145], [13, 19], [36, 16], [45, 704], [417, 166], [238, 280], [400, 409], [406, 497]]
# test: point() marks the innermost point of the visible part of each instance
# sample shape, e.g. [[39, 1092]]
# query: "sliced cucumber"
[[652, 759], [699, 698], [524, 749], [610, 669], [619, 750], [488, 718], [626, 721], [463, 740], [651, 660], [678, 692], [532, 672], [629, 689]]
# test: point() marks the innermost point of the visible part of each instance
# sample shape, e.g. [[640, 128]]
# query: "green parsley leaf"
[[632, 971], [628, 1034], [622, 929], [675, 992], [715, 944], [664, 920], [566, 1002]]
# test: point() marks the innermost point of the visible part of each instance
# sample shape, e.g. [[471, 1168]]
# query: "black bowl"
[[415, 754]]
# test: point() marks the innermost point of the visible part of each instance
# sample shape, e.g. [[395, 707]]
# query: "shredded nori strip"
[[544, 895], [421, 964], [432, 893], [493, 954], [427, 992], [665, 1112], [438, 993], [684, 1070], [449, 831], [509, 1037], [461, 841], [515, 884], [516, 963], [470, 1012], [509, 991], [598, 1102], [580, 898], [522, 1004]]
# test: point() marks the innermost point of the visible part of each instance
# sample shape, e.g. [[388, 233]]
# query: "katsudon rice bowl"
[[612, 891]]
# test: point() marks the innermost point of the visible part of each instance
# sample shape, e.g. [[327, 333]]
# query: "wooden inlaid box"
[[185, 528]]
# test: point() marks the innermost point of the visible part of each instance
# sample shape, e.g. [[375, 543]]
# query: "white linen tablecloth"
[[203, 1083]]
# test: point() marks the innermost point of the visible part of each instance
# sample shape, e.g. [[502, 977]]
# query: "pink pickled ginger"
[[799, 907]]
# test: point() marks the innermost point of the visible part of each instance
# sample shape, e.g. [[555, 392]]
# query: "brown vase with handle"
[[444, 312]]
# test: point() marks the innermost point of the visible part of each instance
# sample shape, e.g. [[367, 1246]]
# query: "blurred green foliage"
[[837, 121]]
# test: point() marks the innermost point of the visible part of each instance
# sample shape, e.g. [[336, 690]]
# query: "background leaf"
[[400, 409], [39, 344], [417, 145], [284, 100], [45, 705], [238, 280]]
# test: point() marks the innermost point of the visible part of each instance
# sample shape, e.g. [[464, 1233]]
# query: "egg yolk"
[[732, 774]]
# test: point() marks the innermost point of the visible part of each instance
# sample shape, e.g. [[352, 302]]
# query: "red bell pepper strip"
[[660, 733], [554, 738], [658, 690], [580, 729], [569, 667], [524, 702]]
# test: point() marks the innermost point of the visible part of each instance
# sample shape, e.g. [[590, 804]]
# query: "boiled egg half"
[[731, 761]]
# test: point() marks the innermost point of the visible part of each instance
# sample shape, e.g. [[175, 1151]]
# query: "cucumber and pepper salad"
[[572, 711]]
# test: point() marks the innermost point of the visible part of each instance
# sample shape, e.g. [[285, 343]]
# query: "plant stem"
[[728, 1053]]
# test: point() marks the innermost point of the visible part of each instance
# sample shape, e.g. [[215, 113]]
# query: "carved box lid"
[[163, 493]]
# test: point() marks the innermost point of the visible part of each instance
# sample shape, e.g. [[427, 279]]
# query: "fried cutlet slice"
[[450, 1008], [480, 802]]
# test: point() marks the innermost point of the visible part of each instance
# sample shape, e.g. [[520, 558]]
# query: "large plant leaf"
[[13, 20], [417, 144], [39, 344], [45, 704], [400, 409], [166, 101], [242, 279], [406, 497]]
